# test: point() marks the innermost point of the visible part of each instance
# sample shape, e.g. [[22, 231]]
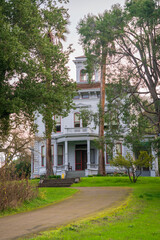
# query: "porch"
[[75, 158]]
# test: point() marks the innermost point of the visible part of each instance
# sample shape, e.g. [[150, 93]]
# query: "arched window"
[[93, 77], [76, 120], [58, 123], [83, 76]]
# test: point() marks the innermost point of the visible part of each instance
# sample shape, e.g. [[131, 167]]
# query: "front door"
[[81, 160]]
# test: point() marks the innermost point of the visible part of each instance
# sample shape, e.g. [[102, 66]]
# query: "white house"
[[73, 150]]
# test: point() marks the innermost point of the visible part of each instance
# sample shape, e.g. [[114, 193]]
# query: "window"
[[58, 123], [83, 76], [92, 156], [76, 120], [76, 97], [98, 94], [109, 153], [93, 77], [85, 95], [119, 148], [60, 155], [42, 156], [52, 154]]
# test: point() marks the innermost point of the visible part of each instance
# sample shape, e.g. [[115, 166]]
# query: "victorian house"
[[74, 152]]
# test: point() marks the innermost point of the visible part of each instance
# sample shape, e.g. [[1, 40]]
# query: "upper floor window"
[[93, 77], [76, 120], [42, 156], [58, 123], [76, 97], [83, 76], [85, 95]]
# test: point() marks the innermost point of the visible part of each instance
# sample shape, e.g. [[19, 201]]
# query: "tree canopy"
[[33, 71], [130, 37]]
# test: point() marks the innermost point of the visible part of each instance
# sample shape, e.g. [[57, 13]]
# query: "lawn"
[[115, 181], [138, 219], [45, 197]]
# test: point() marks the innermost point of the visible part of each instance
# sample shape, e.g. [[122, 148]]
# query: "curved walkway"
[[85, 202]]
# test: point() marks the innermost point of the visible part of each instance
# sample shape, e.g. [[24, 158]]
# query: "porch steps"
[[57, 182], [75, 174]]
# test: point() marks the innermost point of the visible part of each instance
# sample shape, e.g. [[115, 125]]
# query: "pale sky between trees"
[[77, 10]]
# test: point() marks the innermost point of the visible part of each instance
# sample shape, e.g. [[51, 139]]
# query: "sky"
[[77, 9]]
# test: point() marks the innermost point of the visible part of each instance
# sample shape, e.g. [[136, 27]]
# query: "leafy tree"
[[136, 63], [134, 58], [97, 35], [123, 117], [131, 165], [86, 117], [33, 72]]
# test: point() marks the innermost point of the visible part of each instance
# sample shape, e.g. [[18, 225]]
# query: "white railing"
[[78, 130], [94, 166]]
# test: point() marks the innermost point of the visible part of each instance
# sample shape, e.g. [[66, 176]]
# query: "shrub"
[[23, 168], [54, 176], [131, 165], [13, 191]]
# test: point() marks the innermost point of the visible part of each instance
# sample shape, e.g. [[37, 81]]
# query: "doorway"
[[81, 160]]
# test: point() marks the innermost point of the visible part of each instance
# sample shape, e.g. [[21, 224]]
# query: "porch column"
[[55, 156], [66, 155], [88, 154]]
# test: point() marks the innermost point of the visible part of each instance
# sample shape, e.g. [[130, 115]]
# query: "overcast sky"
[[77, 10]]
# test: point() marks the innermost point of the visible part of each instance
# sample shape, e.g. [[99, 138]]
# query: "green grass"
[[138, 219], [115, 181], [45, 197]]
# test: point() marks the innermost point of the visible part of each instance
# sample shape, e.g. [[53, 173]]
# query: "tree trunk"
[[49, 168], [101, 169]]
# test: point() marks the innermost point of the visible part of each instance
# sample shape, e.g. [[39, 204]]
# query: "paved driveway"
[[87, 201]]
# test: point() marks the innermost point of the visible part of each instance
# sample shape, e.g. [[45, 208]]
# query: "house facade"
[[74, 152]]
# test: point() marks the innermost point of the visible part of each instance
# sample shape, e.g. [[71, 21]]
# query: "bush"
[[23, 168], [54, 176], [131, 165], [13, 191]]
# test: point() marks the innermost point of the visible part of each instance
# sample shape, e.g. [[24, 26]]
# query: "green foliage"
[[130, 39], [115, 181], [131, 165], [23, 168], [54, 176], [97, 34], [86, 117], [33, 71], [123, 117]]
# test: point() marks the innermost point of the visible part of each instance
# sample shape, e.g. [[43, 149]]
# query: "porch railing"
[[78, 130], [94, 166]]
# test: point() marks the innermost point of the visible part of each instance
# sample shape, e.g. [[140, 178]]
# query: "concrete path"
[[85, 202]]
